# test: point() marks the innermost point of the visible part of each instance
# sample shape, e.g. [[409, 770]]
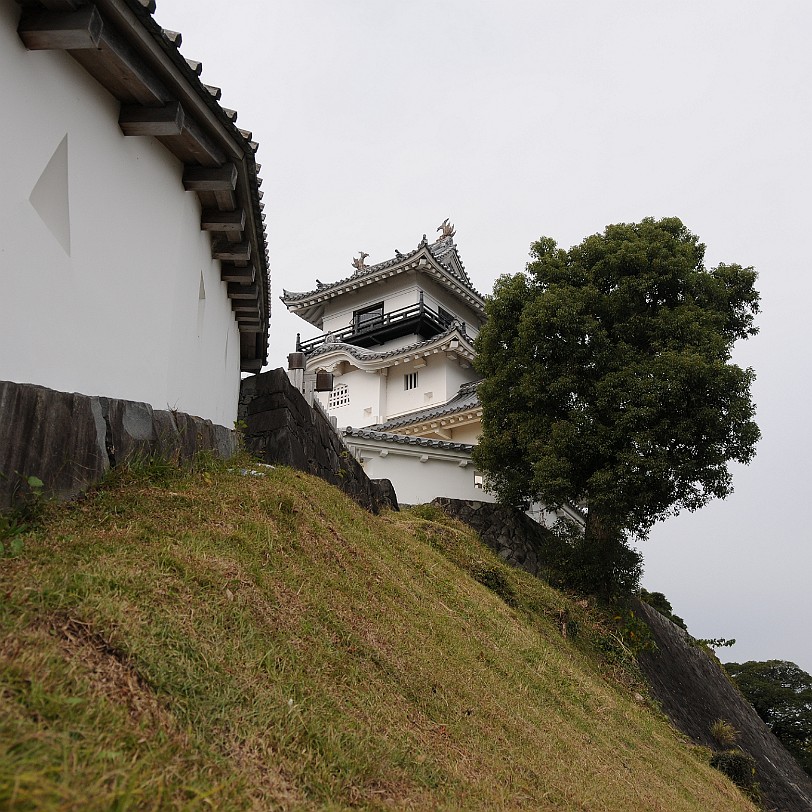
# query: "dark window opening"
[[368, 318]]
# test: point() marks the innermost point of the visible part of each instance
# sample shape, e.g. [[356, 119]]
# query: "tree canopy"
[[781, 693], [608, 379]]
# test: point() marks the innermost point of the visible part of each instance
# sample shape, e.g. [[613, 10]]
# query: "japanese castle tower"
[[398, 338]]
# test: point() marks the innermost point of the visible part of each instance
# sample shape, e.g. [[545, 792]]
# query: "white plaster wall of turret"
[[108, 285], [365, 397], [372, 397], [437, 382], [420, 474]]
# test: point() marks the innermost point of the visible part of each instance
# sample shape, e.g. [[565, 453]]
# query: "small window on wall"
[[340, 396], [410, 381], [478, 481]]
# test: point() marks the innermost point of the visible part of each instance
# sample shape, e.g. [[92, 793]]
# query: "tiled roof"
[[367, 355], [466, 398], [402, 439], [444, 251]]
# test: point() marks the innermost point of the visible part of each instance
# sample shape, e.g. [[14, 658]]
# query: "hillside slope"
[[228, 641]]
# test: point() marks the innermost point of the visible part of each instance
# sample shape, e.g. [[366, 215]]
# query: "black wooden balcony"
[[373, 330]]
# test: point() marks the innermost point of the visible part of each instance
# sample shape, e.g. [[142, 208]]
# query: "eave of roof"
[[367, 359], [405, 440], [207, 137], [439, 259], [465, 400]]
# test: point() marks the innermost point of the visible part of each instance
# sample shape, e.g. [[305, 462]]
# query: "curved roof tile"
[[403, 439], [444, 251], [466, 398]]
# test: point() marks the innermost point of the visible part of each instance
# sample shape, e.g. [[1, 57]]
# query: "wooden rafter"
[[244, 275], [61, 29], [237, 291], [231, 251]]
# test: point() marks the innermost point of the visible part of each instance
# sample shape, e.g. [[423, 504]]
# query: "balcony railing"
[[416, 318]]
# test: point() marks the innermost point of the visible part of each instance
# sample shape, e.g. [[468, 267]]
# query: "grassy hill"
[[217, 640]]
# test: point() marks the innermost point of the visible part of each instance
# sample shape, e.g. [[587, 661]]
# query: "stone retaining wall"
[[70, 441], [508, 531], [694, 691], [280, 427]]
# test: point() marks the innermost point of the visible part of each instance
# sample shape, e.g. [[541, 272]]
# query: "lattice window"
[[340, 396], [410, 380]]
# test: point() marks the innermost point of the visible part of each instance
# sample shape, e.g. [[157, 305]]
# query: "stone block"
[[55, 436], [167, 437], [131, 428], [283, 429], [70, 441]]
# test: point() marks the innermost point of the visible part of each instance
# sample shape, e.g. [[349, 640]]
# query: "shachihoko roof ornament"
[[447, 229], [359, 264]]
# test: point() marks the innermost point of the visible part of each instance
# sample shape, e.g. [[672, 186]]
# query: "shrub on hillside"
[[723, 732], [740, 768]]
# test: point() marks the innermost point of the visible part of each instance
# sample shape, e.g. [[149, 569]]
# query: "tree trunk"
[[603, 542]]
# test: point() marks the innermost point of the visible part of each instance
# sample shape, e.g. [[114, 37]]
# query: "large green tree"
[[781, 693], [608, 379]]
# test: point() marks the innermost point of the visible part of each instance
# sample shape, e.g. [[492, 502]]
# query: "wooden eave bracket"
[[243, 275], [237, 291], [98, 48], [231, 251], [157, 121], [61, 29], [210, 179], [246, 305], [223, 221]]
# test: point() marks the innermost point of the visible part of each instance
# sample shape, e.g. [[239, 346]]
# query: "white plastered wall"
[[437, 382], [437, 296], [365, 398], [102, 272], [419, 481], [468, 433]]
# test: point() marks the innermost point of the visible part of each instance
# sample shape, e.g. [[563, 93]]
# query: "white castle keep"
[[398, 338]]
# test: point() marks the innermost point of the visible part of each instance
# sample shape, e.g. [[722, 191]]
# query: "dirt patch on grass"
[[110, 672]]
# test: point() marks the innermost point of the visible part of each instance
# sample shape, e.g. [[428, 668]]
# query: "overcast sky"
[[521, 118]]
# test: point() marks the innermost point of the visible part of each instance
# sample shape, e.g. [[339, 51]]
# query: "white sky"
[[522, 118]]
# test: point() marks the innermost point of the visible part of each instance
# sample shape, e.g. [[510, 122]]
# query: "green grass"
[[206, 640]]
